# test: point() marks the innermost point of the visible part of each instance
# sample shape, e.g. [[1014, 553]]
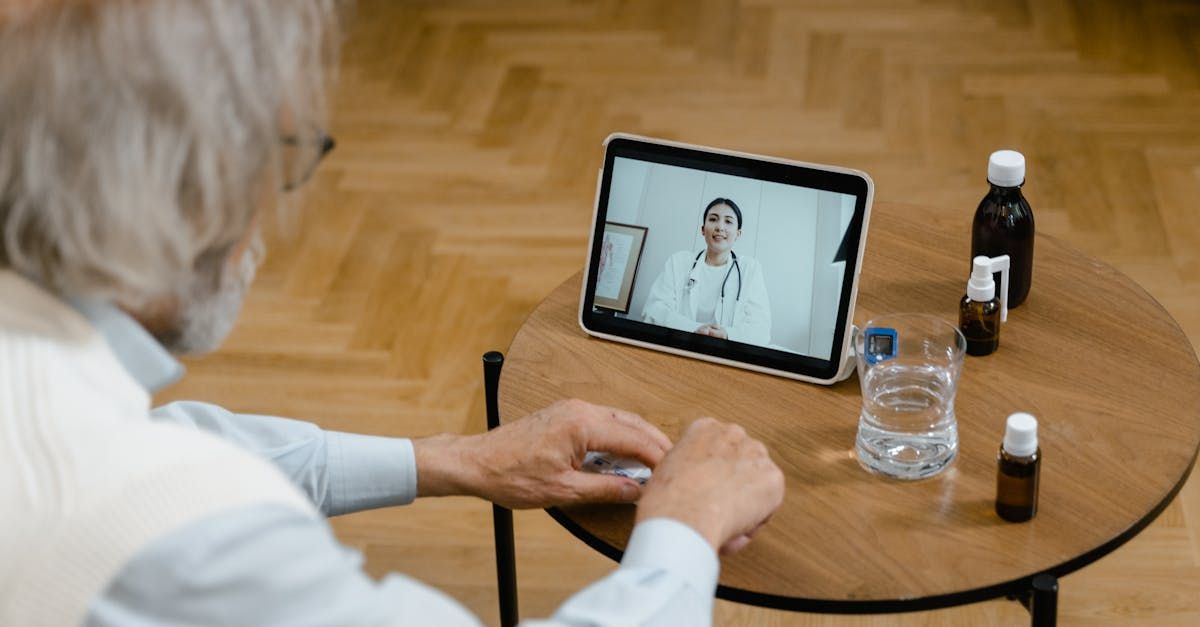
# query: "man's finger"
[[735, 545], [635, 421], [594, 488], [603, 433]]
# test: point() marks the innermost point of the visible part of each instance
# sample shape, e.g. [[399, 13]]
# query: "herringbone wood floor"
[[460, 194]]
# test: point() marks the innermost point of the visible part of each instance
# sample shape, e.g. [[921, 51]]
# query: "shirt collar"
[[142, 356]]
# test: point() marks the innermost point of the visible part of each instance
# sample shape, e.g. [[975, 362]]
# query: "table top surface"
[[1111, 377]]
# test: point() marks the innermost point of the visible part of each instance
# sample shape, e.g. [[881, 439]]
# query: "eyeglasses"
[[301, 155]]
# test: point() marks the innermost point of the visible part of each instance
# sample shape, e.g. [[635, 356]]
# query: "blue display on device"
[[879, 344]]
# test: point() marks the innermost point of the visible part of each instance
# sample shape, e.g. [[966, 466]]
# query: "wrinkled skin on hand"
[[535, 461]]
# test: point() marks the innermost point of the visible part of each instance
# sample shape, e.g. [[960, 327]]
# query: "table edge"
[[1013, 588]]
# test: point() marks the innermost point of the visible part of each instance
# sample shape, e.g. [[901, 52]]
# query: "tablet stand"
[[848, 362]]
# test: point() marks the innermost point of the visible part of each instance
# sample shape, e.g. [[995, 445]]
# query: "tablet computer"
[[740, 259]]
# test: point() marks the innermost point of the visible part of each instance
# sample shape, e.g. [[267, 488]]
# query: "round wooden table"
[[1113, 380]]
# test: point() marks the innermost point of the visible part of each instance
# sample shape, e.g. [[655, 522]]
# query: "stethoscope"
[[692, 281]]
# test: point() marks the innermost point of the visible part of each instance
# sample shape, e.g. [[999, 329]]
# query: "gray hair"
[[138, 137]]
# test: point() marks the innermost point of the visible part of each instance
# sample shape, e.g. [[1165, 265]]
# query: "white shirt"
[[707, 288], [672, 303], [269, 567]]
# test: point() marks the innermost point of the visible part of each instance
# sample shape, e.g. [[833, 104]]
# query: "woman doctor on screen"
[[715, 292]]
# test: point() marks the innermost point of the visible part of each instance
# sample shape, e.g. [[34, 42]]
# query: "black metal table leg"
[[1043, 601], [502, 525]]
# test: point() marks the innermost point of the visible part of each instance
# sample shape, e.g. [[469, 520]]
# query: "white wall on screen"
[[827, 273], [786, 245], [847, 210], [669, 196], [625, 193]]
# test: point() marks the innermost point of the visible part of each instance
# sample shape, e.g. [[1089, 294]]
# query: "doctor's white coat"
[[746, 319]]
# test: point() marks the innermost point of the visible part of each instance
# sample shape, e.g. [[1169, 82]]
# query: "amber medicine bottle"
[[1003, 223], [1018, 467], [980, 311]]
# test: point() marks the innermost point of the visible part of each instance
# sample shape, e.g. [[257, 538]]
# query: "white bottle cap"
[[1006, 168], [1020, 435]]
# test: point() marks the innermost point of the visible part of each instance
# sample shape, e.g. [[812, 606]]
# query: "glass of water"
[[908, 365]]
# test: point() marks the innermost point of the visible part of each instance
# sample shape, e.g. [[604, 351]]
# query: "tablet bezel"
[[788, 172]]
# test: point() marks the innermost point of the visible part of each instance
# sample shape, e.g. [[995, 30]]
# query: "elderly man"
[[140, 141]]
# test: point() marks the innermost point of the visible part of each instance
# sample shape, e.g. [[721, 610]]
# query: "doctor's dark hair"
[[722, 201]]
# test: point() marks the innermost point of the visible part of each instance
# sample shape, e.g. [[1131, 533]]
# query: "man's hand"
[[535, 461], [718, 481]]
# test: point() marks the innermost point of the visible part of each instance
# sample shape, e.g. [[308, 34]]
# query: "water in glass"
[[907, 427]]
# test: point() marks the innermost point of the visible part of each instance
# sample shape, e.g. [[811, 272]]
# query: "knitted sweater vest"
[[86, 479]]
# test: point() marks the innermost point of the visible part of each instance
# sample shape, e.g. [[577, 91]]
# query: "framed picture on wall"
[[620, 254]]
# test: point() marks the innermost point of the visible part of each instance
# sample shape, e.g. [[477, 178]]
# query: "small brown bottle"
[[1019, 463], [980, 312]]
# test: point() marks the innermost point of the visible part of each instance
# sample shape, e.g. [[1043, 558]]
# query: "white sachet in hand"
[[608, 464]]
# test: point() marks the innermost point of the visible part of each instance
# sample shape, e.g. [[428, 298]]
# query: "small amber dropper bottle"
[[981, 311], [1019, 464]]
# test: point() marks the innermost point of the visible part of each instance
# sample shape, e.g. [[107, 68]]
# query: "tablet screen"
[[718, 252]]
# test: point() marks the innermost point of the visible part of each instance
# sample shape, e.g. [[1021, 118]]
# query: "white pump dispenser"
[[982, 287]]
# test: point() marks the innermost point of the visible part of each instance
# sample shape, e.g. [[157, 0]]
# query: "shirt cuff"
[[670, 545], [367, 472]]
